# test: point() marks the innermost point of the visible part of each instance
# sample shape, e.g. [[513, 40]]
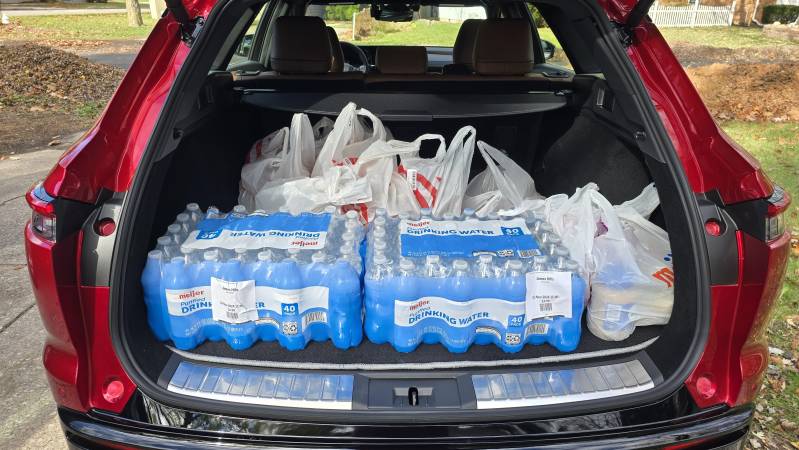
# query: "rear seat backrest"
[[504, 47], [463, 50], [405, 60], [337, 55], [300, 45]]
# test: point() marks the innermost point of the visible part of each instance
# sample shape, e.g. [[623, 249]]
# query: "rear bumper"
[[723, 428]]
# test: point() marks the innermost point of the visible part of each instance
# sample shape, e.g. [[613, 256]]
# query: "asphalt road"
[[27, 411]]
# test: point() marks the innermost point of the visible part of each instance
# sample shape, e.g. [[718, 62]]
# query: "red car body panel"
[[79, 357]]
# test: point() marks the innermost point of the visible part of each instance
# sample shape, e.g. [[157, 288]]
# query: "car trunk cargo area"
[[578, 141]]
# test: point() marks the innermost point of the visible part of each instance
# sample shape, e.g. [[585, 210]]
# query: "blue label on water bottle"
[[280, 231], [503, 238]]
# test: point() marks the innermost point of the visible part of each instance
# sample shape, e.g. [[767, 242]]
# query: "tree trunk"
[[134, 13], [157, 8]]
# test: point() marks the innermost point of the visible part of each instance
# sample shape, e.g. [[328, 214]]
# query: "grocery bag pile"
[[342, 231]]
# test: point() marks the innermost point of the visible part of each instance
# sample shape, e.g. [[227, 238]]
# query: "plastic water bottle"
[[317, 269], [348, 254], [239, 336], [468, 213], [344, 306], [540, 263], [379, 234], [380, 248], [183, 323], [201, 277], [195, 213], [184, 221], [154, 297], [460, 281], [243, 256], [426, 213], [379, 304], [296, 255], [240, 210], [485, 266], [287, 276], [433, 267], [189, 255], [380, 268], [167, 245], [213, 213], [515, 291], [176, 233], [262, 270], [354, 226]]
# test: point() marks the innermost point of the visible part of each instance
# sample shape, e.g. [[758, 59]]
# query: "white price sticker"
[[233, 301], [548, 294]]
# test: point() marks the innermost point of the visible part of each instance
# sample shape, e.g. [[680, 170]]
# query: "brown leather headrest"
[[401, 60], [300, 45], [504, 47], [337, 62], [463, 51]]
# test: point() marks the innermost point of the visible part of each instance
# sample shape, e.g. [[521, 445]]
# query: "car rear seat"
[[463, 50], [302, 57], [503, 62], [404, 60], [336, 54]]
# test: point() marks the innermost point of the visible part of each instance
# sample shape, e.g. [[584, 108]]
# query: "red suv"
[[216, 75]]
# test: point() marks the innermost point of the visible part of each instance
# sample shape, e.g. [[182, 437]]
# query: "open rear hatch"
[[197, 153]]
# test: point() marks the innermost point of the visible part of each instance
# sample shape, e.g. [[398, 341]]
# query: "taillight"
[[736, 356], [775, 220], [43, 221]]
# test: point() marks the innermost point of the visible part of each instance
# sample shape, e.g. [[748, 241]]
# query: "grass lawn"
[[88, 27], [777, 148], [726, 37]]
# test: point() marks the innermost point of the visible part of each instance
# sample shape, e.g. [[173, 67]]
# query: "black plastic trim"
[[414, 106], [722, 249], [711, 428], [97, 251]]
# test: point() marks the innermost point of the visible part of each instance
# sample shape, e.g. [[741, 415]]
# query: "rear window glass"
[[431, 26]]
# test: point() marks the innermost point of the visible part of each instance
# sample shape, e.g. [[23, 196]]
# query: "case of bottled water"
[[466, 280], [241, 277]]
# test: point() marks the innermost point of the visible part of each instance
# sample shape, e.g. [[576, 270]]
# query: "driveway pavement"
[[27, 411]]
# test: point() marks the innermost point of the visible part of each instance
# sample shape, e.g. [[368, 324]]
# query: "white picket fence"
[[695, 15]]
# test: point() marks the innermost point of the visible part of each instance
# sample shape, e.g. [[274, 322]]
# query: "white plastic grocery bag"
[[424, 175], [338, 186], [502, 185], [645, 203], [454, 172], [285, 154], [378, 165], [573, 218], [353, 132], [633, 284], [321, 130]]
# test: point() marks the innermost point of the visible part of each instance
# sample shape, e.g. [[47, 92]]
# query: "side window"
[[245, 47], [553, 52]]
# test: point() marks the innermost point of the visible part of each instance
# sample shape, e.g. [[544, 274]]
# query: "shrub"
[[340, 12], [780, 13]]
